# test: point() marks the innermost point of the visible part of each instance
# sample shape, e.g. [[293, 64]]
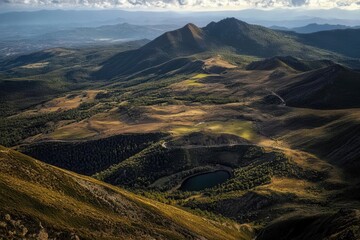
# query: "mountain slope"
[[327, 88], [278, 62], [343, 41], [288, 63], [314, 27], [230, 34], [256, 40], [61, 205], [185, 41]]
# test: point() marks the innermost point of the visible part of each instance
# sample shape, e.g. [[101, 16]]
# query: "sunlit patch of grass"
[[72, 133], [298, 187], [244, 129], [35, 65], [192, 83], [200, 75], [72, 202]]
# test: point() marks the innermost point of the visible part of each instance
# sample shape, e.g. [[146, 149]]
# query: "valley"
[[237, 129]]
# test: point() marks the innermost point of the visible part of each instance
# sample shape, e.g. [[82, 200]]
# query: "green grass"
[[244, 129]]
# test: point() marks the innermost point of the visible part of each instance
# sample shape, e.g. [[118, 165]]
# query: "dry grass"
[[35, 65], [68, 102], [243, 129], [218, 62], [75, 203], [301, 188], [174, 119]]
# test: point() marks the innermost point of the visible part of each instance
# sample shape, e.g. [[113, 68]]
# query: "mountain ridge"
[[230, 33]]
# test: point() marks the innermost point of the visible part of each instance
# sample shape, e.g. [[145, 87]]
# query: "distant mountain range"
[[22, 40], [118, 32], [24, 32], [87, 18], [311, 28]]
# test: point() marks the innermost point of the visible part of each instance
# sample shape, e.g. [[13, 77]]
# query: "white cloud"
[[189, 4]]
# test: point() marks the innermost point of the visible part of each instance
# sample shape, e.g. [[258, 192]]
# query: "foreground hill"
[[41, 201]]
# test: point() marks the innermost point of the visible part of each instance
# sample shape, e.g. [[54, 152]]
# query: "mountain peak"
[[190, 26], [193, 29], [187, 39], [228, 22]]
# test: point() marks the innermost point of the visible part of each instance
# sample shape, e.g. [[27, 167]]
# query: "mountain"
[[188, 40], [342, 41], [311, 28], [288, 63], [331, 87], [229, 34], [39, 201], [278, 62], [280, 28], [254, 40], [185, 41], [314, 27]]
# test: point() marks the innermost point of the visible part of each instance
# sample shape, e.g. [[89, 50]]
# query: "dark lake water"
[[205, 180]]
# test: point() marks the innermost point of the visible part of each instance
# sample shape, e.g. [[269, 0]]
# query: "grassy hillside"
[[44, 75], [282, 131], [288, 63], [230, 35], [257, 40], [327, 88], [49, 201], [343, 41]]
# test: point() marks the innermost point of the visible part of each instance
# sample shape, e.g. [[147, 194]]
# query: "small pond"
[[205, 180]]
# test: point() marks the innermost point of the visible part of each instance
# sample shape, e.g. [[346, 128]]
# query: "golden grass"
[[200, 76], [298, 187], [73, 131], [244, 129], [218, 62], [65, 103], [192, 83], [174, 119], [76, 203], [35, 65]]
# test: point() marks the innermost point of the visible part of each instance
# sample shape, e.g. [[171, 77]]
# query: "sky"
[[183, 4]]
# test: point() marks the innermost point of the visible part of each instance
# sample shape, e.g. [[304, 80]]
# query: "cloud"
[[225, 4]]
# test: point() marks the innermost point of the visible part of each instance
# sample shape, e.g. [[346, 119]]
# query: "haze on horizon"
[[179, 5]]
